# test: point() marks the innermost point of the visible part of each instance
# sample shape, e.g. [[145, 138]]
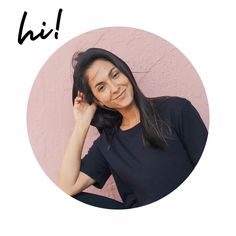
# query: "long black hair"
[[154, 129]]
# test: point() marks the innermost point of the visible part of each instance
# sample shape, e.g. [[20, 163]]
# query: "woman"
[[149, 145]]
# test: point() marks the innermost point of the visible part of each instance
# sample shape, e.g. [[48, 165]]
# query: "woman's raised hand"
[[83, 112]]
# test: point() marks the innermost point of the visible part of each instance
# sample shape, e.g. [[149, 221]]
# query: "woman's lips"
[[122, 95]]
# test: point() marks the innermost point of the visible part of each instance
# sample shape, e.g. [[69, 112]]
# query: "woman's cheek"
[[105, 98]]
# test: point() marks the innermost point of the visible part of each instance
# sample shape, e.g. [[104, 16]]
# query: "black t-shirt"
[[146, 174]]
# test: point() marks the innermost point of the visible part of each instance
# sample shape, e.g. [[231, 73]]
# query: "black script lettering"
[[41, 34]]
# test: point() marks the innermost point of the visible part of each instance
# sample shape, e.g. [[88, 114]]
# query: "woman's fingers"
[[79, 98]]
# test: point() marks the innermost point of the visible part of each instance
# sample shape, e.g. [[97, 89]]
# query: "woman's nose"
[[114, 88]]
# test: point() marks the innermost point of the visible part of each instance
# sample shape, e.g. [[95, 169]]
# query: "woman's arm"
[[193, 132], [71, 180]]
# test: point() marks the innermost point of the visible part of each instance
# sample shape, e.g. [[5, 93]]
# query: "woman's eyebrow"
[[109, 75], [110, 72]]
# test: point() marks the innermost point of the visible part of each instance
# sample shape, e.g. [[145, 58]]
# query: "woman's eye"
[[115, 74], [101, 88]]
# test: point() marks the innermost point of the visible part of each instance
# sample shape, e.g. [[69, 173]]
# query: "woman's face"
[[109, 86]]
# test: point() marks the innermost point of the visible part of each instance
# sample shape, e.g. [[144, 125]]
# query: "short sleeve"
[[192, 131], [94, 165]]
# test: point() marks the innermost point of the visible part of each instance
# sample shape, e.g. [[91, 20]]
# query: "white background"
[[204, 204]]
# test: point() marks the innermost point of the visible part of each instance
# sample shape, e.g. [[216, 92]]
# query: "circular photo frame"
[[129, 173]]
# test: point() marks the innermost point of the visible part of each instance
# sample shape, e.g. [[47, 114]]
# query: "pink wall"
[[158, 67]]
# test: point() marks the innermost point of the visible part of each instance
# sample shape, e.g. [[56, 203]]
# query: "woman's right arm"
[[71, 180]]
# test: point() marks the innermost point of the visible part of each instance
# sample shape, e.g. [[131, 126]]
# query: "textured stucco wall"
[[158, 67]]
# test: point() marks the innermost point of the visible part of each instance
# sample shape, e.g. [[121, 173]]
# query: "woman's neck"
[[130, 116]]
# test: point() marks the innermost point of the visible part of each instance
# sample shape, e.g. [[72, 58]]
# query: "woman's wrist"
[[82, 124]]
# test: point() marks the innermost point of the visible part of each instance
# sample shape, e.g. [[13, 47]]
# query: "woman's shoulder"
[[103, 139], [164, 103], [170, 108]]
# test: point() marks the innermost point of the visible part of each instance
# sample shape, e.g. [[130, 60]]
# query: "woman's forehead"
[[99, 70]]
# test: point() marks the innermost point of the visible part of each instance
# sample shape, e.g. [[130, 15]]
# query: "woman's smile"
[[121, 96]]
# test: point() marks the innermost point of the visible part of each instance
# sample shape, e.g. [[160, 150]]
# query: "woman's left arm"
[[193, 132]]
